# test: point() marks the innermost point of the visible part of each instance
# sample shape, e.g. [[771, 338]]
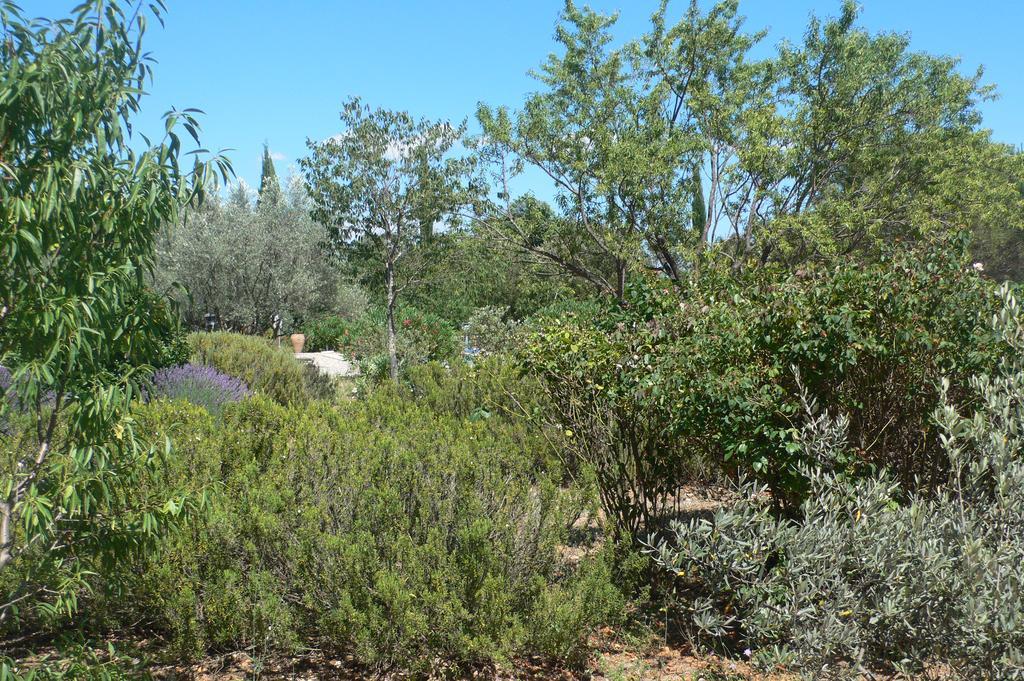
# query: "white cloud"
[[277, 156]]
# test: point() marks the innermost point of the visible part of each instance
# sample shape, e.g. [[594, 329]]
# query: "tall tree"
[[380, 186], [828, 149], [611, 132], [270, 188], [81, 204]]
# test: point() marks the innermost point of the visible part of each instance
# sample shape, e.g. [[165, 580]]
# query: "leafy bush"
[[201, 385], [351, 301], [870, 575], [494, 384], [491, 330], [422, 337], [264, 368], [493, 392], [709, 372], [349, 336], [378, 527]]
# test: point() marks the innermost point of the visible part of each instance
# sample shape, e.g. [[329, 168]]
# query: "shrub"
[[490, 329], [351, 301], [494, 392], [494, 385], [708, 373], [338, 333], [870, 575], [264, 368], [422, 337], [201, 385], [378, 527]]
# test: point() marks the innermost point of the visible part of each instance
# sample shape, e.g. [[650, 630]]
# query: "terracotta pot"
[[298, 341]]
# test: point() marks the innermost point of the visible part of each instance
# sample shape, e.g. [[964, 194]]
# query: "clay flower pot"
[[298, 341]]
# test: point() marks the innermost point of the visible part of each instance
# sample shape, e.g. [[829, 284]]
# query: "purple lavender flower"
[[5, 387], [199, 384]]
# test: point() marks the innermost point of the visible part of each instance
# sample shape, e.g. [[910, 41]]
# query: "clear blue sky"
[[279, 70]]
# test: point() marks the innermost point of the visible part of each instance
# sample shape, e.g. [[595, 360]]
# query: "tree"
[[81, 203], [614, 135], [378, 184], [270, 188], [244, 264], [830, 149]]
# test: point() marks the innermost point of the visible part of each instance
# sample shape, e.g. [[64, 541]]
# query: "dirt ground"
[[615, 663]]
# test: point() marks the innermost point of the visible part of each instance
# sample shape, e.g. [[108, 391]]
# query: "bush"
[[264, 368], [422, 337], [329, 333], [871, 576], [351, 301], [379, 527], [710, 372], [491, 330], [201, 385]]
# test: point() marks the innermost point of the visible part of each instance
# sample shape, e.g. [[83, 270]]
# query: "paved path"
[[329, 362]]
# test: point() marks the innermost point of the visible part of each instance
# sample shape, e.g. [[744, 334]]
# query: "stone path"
[[329, 362]]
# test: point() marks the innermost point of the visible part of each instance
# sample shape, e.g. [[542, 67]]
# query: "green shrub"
[[378, 527], [493, 392], [337, 333], [710, 372], [491, 386], [491, 329], [264, 368], [72, 657], [871, 576], [422, 336]]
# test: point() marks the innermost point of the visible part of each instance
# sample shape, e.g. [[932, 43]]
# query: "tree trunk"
[[392, 335]]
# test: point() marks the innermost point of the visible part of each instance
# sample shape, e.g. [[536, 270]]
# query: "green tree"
[[619, 133], [831, 148], [270, 188], [377, 184], [606, 148], [81, 203]]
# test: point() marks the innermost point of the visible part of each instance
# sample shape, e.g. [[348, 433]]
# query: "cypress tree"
[[270, 188]]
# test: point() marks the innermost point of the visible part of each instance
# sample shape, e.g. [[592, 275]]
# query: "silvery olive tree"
[[245, 263], [81, 203]]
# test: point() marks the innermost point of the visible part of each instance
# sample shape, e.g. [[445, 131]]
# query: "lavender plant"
[[6, 398], [199, 384]]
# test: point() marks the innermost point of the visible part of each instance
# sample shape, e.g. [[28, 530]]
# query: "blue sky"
[[279, 70]]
